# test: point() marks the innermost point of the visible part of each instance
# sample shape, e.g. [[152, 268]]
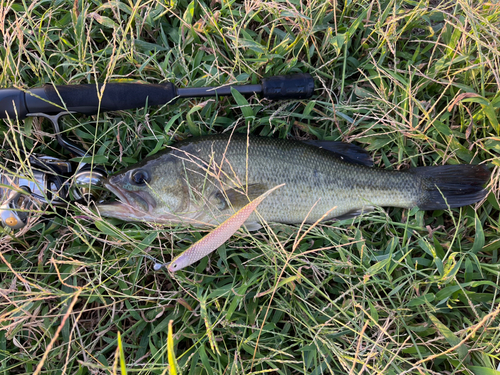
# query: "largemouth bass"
[[203, 181]]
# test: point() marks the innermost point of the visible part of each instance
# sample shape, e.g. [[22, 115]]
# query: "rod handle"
[[84, 99]]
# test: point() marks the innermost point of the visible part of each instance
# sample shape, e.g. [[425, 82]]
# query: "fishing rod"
[[90, 99], [55, 181]]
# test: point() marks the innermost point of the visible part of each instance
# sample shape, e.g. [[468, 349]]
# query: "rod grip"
[[85, 99], [296, 86]]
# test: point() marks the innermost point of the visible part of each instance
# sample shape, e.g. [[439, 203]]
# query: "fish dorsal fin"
[[344, 151], [239, 197]]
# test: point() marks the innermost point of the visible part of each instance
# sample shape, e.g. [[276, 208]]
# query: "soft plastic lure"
[[218, 236]]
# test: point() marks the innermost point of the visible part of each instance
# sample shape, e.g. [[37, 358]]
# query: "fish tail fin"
[[449, 186]]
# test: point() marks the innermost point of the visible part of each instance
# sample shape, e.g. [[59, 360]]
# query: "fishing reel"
[[51, 182]]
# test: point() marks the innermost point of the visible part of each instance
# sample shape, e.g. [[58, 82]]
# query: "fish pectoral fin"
[[344, 151], [239, 197], [356, 212]]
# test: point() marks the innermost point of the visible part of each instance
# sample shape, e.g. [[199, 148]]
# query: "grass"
[[394, 292]]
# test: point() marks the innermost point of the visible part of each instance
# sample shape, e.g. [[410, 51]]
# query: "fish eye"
[[140, 177]]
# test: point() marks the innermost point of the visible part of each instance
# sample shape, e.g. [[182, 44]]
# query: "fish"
[[203, 181]]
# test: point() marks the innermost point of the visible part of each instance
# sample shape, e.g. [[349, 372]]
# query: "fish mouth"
[[131, 205]]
